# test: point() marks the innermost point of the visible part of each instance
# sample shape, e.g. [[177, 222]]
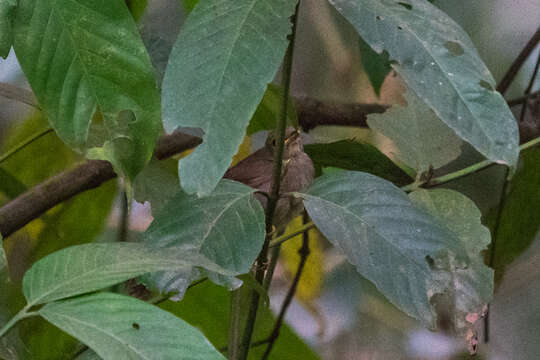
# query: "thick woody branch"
[[88, 175]]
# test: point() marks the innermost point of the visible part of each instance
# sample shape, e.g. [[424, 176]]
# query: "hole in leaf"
[[454, 48], [399, 27], [126, 117], [378, 17], [405, 5], [430, 261], [136, 326], [485, 85]]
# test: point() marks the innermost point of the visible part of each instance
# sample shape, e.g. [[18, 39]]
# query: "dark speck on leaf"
[[486, 85], [430, 261], [405, 5], [454, 48], [136, 326], [378, 17]]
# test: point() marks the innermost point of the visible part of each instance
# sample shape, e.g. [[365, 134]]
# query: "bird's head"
[[293, 143]]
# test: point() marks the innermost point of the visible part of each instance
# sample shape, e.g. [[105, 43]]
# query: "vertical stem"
[[304, 253], [260, 263], [234, 324], [123, 222]]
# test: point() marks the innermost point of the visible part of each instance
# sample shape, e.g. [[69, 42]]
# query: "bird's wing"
[[253, 172]]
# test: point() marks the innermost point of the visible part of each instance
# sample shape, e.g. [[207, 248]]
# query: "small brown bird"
[[296, 175]]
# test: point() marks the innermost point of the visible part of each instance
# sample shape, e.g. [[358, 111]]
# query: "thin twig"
[[529, 88], [518, 63], [123, 223], [521, 99], [304, 253], [24, 143], [274, 192], [281, 239]]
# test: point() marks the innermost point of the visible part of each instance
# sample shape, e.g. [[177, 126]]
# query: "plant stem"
[[304, 253], [24, 143], [274, 194], [19, 316], [123, 223], [518, 62], [466, 171], [281, 239], [529, 88], [521, 99]]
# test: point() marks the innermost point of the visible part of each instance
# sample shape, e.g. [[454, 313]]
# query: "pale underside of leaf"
[[227, 227], [439, 63], [471, 287], [226, 53], [80, 57], [85, 268], [118, 327], [389, 240], [421, 138]]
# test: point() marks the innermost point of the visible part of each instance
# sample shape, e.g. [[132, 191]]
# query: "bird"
[[297, 174]]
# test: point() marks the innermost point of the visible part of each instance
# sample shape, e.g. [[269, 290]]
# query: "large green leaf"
[[6, 31], [376, 66], [440, 64], [81, 57], [118, 327], [422, 139], [84, 268], [207, 307], [353, 155], [227, 227], [157, 183], [217, 75], [392, 242], [519, 224], [472, 286]]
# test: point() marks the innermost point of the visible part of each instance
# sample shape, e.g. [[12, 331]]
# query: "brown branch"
[[88, 175], [518, 62], [313, 113]]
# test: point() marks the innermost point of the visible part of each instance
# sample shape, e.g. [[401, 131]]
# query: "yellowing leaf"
[[309, 287], [243, 151]]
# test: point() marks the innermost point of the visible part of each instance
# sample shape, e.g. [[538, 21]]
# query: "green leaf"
[[422, 139], [269, 111], [226, 227], [353, 155], [88, 355], [216, 77], [392, 242], [81, 57], [376, 66], [136, 7], [10, 185], [189, 4], [438, 61], [118, 327], [6, 28], [84, 268], [206, 306], [520, 217], [471, 287], [157, 183]]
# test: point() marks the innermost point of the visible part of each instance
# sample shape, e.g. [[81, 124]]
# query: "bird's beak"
[[292, 137]]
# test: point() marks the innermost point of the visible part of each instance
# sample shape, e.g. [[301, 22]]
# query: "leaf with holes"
[[119, 327], [84, 268], [471, 287], [391, 241], [227, 227], [226, 54], [86, 56], [438, 61]]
